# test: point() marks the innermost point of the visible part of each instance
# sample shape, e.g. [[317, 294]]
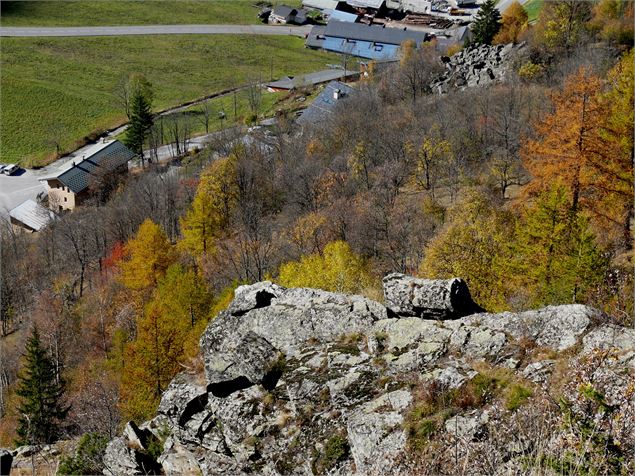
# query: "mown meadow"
[[146, 12], [60, 90]]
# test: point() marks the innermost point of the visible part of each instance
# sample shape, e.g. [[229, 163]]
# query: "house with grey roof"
[[30, 216], [71, 184], [333, 94], [283, 14]]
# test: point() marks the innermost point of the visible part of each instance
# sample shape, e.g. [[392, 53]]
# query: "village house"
[[365, 41], [283, 14], [323, 106], [71, 185]]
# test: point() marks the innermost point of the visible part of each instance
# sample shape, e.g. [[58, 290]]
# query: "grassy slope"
[[532, 7], [140, 12], [69, 81]]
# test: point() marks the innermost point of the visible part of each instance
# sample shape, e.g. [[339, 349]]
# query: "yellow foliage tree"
[[474, 245], [562, 23], [211, 209], [514, 23], [149, 255], [174, 319], [433, 154], [338, 269]]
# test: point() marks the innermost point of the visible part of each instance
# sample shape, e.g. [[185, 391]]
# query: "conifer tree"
[[42, 410], [487, 23], [140, 120]]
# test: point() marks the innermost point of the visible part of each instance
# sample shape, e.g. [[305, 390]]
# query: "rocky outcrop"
[[479, 65], [302, 381], [428, 298]]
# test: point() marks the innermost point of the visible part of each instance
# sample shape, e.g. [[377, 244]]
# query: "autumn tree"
[[566, 141], [211, 209], [513, 24], [486, 23], [149, 255], [562, 24], [432, 157], [613, 21], [474, 245], [42, 410], [418, 66], [173, 319], [338, 269]]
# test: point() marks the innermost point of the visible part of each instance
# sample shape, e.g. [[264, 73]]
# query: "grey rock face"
[[610, 336], [302, 381], [428, 298], [284, 320], [556, 327], [479, 65]]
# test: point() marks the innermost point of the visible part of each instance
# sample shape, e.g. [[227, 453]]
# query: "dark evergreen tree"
[[487, 23], [140, 121], [42, 410]]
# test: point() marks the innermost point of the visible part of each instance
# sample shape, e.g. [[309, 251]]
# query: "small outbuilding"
[[312, 79], [30, 216]]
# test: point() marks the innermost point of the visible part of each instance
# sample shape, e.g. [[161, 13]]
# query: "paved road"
[[156, 30]]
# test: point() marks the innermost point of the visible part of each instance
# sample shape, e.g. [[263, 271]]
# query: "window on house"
[[66, 199], [379, 47]]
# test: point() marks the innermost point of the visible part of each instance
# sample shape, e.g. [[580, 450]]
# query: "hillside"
[[301, 381], [284, 298]]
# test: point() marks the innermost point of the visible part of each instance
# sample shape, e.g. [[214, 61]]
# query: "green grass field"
[[270, 104], [64, 85], [533, 7], [140, 12]]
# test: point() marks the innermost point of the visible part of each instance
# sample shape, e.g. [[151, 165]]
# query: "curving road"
[[156, 30]]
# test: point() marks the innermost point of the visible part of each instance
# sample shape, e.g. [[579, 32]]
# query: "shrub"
[[335, 450], [516, 396], [88, 458]]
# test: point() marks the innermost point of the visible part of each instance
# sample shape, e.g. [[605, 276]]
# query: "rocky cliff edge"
[[303, 381]]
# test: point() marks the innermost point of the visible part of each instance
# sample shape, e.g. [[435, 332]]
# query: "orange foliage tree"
[[587, 145], [568, 140], [513, 24]]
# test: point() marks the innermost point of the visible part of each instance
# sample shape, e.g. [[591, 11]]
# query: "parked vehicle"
[[2, 167], [10, 169]]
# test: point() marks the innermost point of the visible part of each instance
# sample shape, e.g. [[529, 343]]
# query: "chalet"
[[323, 106], [71, 184], [30, 216], [365, 41], [312, 79], [283, 14]]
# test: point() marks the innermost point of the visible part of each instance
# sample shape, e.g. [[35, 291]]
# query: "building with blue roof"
[[376, 42]]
